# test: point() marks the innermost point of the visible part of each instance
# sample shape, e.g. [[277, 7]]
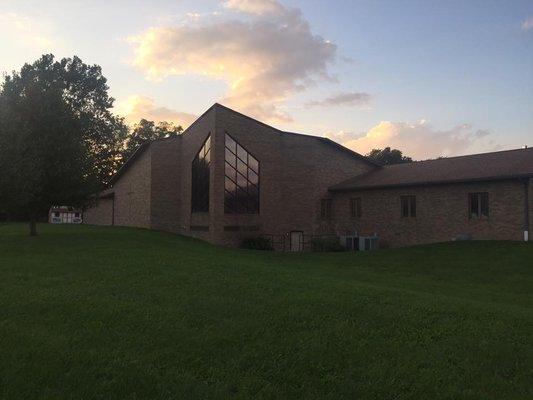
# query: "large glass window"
[[200, 178], [241, 182]]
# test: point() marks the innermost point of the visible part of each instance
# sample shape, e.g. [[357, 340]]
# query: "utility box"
[[360, 243], [368, 243]]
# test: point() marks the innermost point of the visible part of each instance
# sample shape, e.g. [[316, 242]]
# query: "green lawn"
[[117, 313]]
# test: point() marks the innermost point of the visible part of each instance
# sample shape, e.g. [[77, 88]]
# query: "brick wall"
[[442, 213], [192, 141], [132, 193], [166, 194], [100, 213], [295, 172]]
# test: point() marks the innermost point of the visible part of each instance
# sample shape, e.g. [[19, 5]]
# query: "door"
[[297, 240]]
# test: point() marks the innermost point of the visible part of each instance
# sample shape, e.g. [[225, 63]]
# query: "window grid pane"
[[200, 178], [231, 144], [253, 177], [253, 163], [231, 159], [242, 180], [242, 168], [241, 153], [231, 172]]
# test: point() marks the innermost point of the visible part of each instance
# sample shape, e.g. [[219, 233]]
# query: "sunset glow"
[[322, 68]]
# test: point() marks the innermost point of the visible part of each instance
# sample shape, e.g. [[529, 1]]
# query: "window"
[[478, 205], [241, 180], [200, 178], [355, 208], [76, 215], [325, 208], [56, 214], [408, 204]]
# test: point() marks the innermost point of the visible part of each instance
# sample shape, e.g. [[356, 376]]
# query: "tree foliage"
[[387, 156], [145, 131], [59, 141]]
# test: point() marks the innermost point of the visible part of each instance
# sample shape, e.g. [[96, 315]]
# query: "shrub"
[[256, 243], [331, 243]]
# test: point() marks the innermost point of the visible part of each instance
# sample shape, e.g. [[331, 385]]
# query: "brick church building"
[[229, 177]]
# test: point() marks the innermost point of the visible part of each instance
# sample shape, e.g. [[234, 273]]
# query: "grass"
[[118, 313]]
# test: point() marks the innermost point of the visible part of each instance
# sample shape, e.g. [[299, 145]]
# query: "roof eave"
[[351, 152], [323, 139], [128, 162], [430, 183]]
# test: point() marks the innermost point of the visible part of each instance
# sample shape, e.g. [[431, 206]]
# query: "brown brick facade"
[[442, 213], [133, 194], [296, 173], [100, 213]]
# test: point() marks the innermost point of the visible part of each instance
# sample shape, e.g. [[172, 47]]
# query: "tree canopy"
[[145, 131], [387, 156], [59, 141]]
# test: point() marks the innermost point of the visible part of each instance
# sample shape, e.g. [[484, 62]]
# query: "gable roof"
[[478, 167], [324, 140], [129, 162], [320, 139], [137, 153]]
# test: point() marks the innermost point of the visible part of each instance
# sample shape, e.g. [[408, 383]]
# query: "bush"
[[256, 243], [331, 243]]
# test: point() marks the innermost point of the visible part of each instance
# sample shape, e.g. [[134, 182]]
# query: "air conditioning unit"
[[367, 243], [360, 243], [350, 242]]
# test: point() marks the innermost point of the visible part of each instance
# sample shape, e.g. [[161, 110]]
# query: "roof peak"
[[305, 135]]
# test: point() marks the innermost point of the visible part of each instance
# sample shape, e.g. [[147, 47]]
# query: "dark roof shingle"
[[477, 167]]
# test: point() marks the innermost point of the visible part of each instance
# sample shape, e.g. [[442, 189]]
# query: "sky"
[[431, 78]]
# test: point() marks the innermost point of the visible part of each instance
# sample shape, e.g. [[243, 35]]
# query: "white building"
[[64, 215]]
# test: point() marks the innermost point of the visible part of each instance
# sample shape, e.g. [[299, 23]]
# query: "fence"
[[306, 242]]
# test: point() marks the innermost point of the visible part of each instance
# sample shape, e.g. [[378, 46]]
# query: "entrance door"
[[297, 240]]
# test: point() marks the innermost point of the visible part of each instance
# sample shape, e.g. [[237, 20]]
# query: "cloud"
[[24, 30], [527, 24], [24, 39], [264, 58], [421, 141], [258, 7], [136, 107], [343, 136], [343, 99]]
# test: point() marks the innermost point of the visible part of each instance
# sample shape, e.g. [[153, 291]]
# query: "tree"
[[85, 90], [388, 156], [146, 131], [59, 142]]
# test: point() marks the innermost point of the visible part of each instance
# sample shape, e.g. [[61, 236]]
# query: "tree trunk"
[[33, 225]]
